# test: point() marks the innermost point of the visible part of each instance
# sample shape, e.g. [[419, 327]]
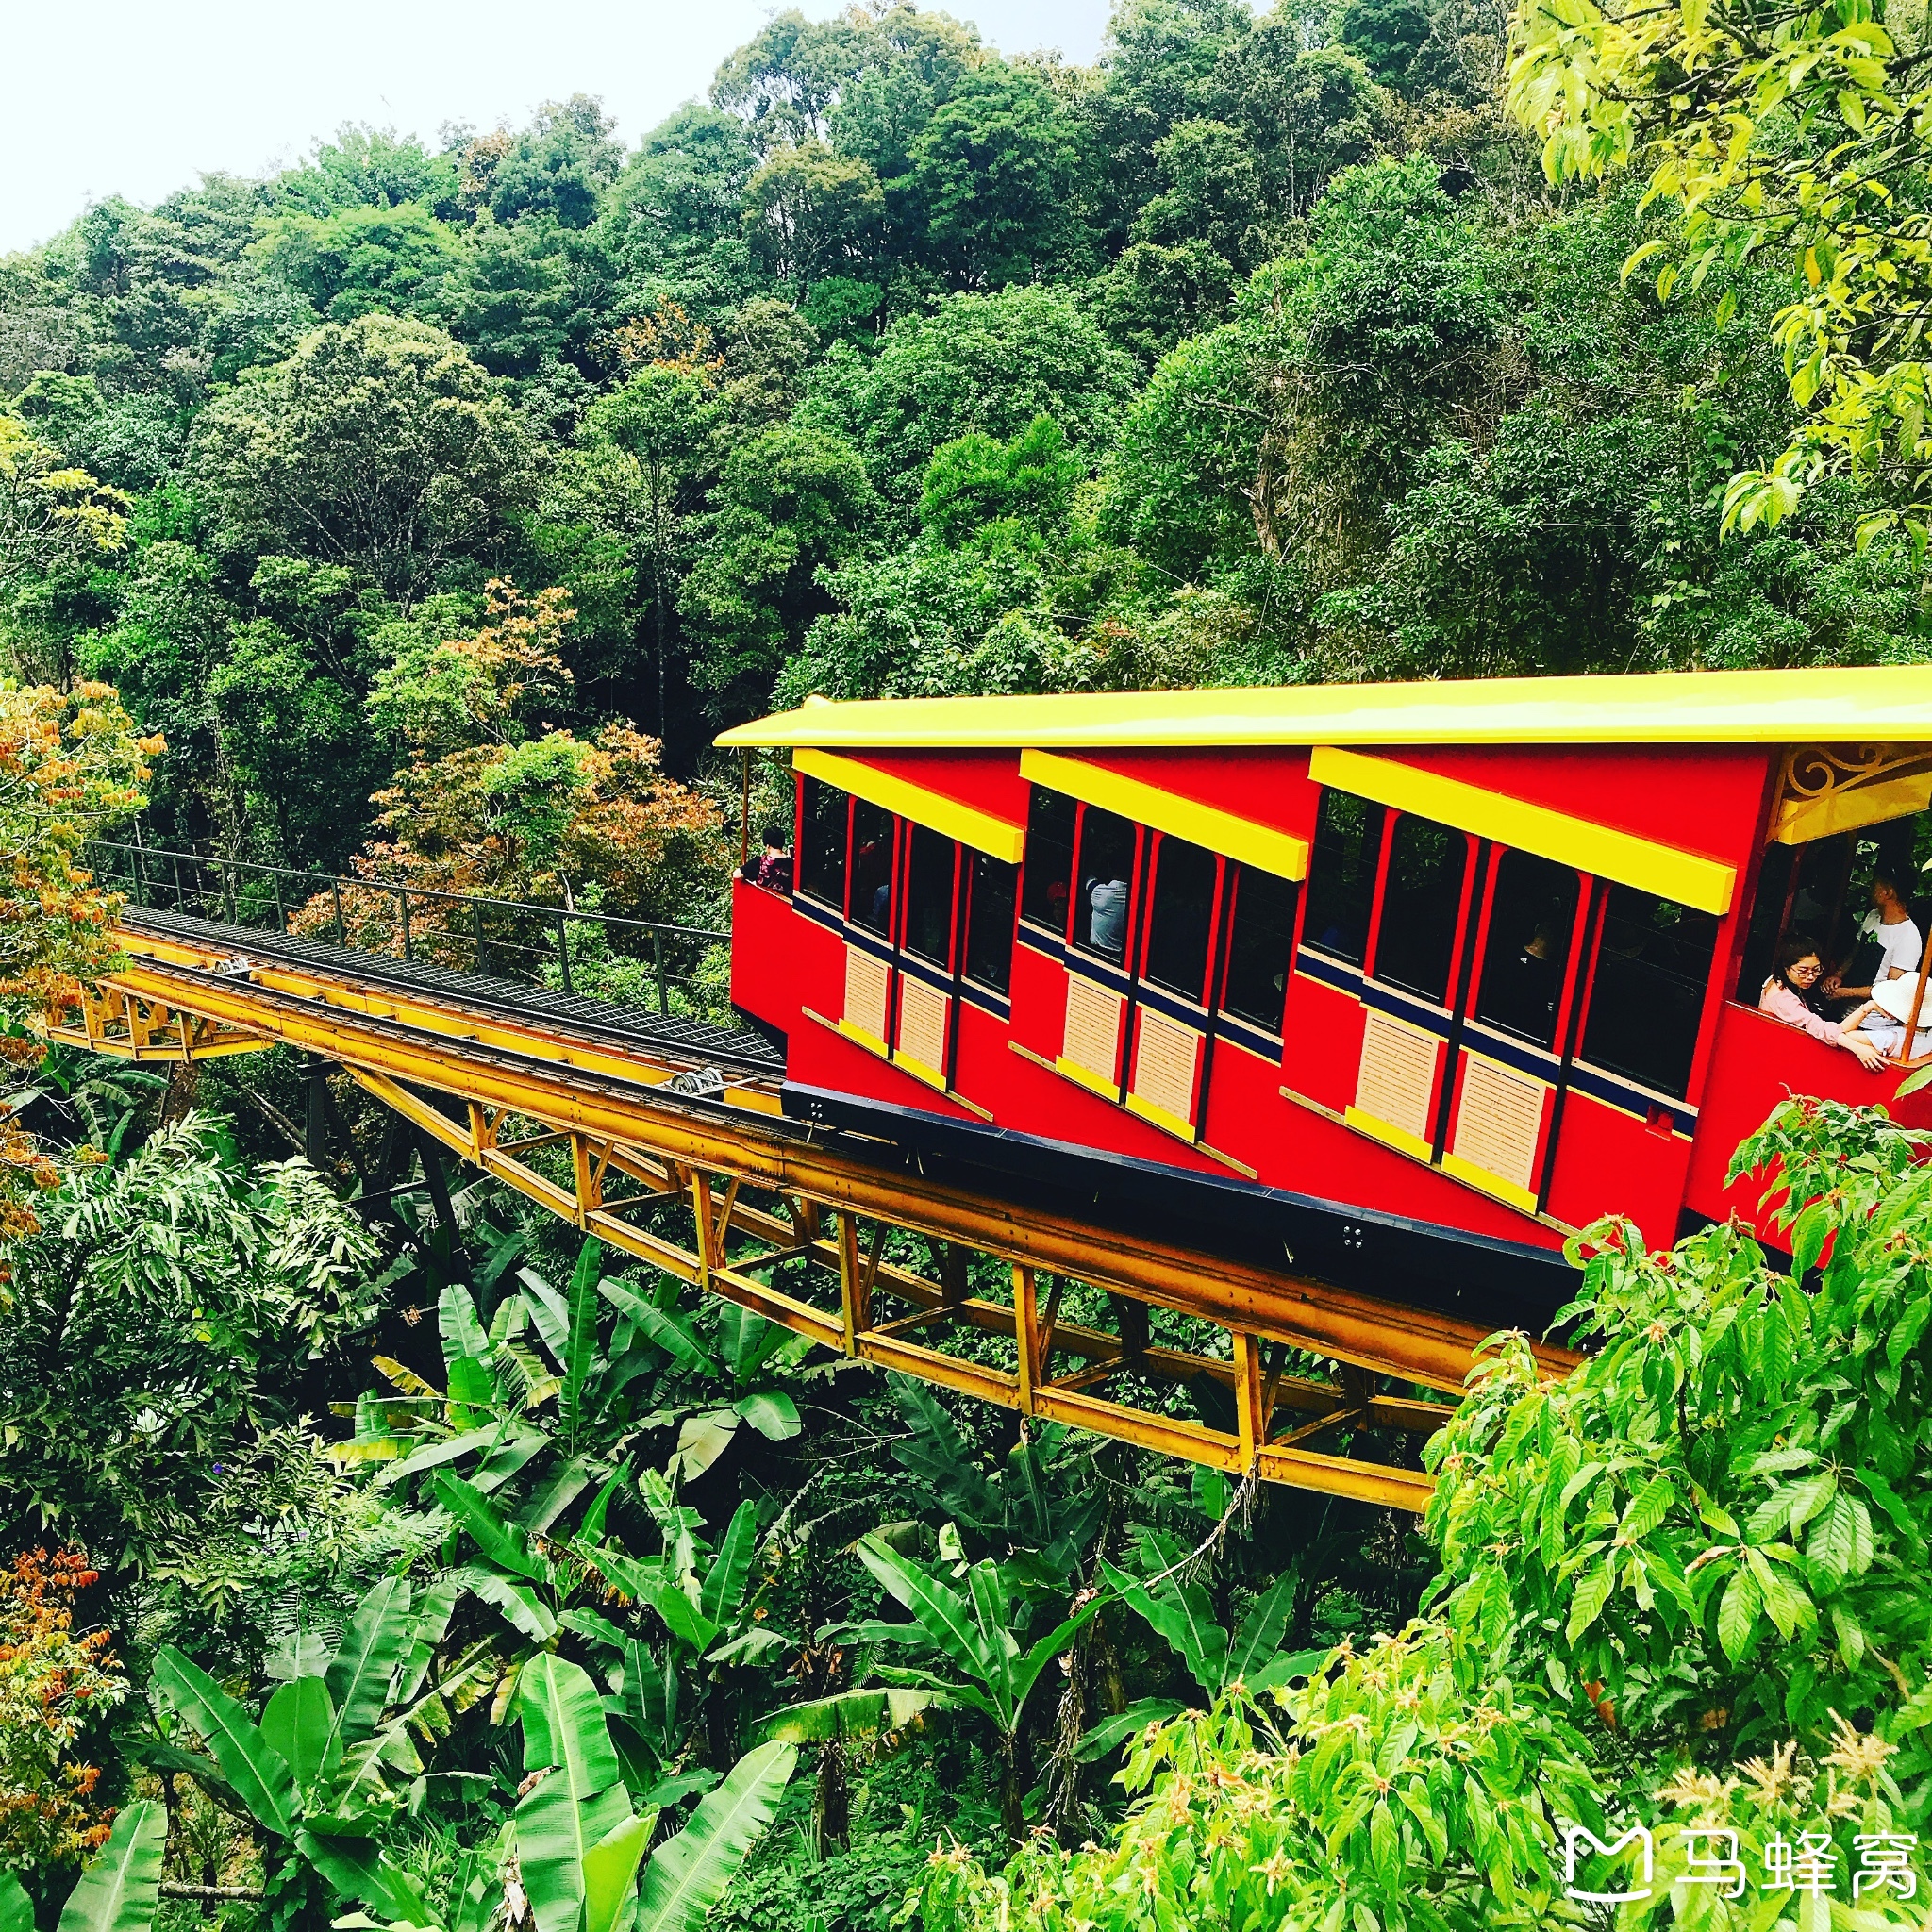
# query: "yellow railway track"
[[585, 1121]]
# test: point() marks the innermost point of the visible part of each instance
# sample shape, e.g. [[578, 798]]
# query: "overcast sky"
[[128, 97]]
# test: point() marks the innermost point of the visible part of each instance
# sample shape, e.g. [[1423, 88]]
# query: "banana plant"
[[118, 1892], [331, 1761], [1035, 1505], [874, 1719], [975, 1634], [573, 1847], [706, 1603], [1215, 1656]]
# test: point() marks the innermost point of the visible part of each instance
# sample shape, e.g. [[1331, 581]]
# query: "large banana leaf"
[[366, 1658], [300, 1723], [498, 1537], [1261, 1630], [989, 1598], [1184, 1618], [580, 1349], [942, 1614], [723, 1584], [851, 1714], [583, 1799], [517, 1600], [462, 1332], [650, 1584], [16, 1909], [688, 1877], [611, 1868], [563, 1723], [360, 1868], [431, 1626], [257, 1772], [665, 1326], [119, 1892]]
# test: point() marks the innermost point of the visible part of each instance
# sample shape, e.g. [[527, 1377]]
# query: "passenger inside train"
[[1889, 943], [1795, 995]]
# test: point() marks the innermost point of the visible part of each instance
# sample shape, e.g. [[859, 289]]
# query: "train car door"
[[869, 925], [1412, 988], [1510, 1066], [1108, 855], [1168, 1062]]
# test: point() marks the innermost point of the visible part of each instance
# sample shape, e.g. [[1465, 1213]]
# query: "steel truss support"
[[798, 1228]]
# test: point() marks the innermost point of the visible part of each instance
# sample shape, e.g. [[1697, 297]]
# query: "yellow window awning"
[[1253, 844], [918, 802], [1687, 877]]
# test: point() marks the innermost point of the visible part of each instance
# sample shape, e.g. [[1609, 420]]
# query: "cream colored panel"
[[1094, 1027], [922, 1022], [1398, 1074], [1498, 1122], [866, 980], [1164, 1062]]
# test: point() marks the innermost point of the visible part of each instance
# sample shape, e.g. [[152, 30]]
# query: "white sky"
[[133, 99]]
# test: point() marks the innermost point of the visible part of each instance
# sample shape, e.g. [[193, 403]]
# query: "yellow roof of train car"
[[1884, 705]]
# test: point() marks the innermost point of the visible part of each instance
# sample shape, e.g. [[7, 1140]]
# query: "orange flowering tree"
[[54, 1686], [71, 764], [497, 802]]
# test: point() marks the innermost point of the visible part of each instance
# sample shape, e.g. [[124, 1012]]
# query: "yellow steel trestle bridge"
[[617, 1120]]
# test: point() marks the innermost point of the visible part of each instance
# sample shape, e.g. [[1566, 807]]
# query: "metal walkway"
[[665, 1137]]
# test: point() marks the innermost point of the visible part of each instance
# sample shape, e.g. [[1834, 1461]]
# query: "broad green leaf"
[[1588, 1600], [1736, 1613], [941, 1613], [686, 1878], [649, 1583], [360, 1868], [366, 1658], [771, 1412], [121, 1890], [494, 1535], [724, 1586], [610, 1870], [1262, 1629], [1127, 1723], [556, 1826], [258, 1774], [666, 1327], [851, 1714], [703, 1439], [1649, 1507], [581, 1348], [300, 1723], [1183, 1617], [563, 1723], [16, 1909], [431, 1626], [517, 1600], [462, 1332]]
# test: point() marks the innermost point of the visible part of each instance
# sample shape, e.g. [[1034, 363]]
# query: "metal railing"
[[579, 952]]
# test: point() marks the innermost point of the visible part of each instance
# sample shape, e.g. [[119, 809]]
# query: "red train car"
[[1408, 981]]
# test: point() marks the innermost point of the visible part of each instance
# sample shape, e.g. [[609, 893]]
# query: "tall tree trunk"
[[831, 1805]]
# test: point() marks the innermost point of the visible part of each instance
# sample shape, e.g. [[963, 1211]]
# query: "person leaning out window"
[[772, 868], [1794, 993]]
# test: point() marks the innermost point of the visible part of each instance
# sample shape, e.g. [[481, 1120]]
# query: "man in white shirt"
[[1891, 927]]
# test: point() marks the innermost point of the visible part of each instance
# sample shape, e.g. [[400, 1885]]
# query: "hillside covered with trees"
[[422, 511]]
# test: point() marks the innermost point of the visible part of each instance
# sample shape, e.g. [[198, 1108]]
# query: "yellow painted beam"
[[1240, 838], [919, 803], [1687, 877]]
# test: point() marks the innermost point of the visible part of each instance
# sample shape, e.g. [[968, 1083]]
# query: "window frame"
[[1131, 916], [969, 892], [798, 846], [1384, 818], [1235, 875], [1472, 884], [1150, 850], [912, 828], [1576, 948], [1028, 865], [1715, 972]]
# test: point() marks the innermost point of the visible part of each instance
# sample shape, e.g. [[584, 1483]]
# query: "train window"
[[1342, 875], [872, 867], [1181, 912], [1049, 860], [929, 896], [821, 842], [1260, 938], [990, 922], [1105, 879], [1421, 901], [1531, 918], [1648, 998]]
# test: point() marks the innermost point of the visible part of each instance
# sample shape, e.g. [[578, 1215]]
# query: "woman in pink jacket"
[[1793, 995]]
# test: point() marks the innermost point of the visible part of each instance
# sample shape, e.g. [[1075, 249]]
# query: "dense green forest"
[[424, 510]]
